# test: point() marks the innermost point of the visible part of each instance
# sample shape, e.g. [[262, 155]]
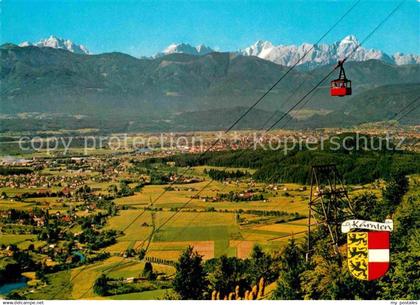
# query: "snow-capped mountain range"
[[287, 55], [58, 43], [318, 55], [187, 49]]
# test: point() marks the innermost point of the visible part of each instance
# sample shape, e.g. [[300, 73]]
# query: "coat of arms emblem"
[[367, 247]]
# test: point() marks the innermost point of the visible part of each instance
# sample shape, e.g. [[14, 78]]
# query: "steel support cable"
[[413, 102], [249, 109], [273, 125], [307, 94], [259, 100], [300, 100], [341, 63]]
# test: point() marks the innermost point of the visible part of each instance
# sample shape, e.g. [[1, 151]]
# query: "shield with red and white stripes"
[[368, 253], [378, 254]]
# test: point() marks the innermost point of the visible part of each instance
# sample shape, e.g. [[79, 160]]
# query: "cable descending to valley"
[[150, 237]]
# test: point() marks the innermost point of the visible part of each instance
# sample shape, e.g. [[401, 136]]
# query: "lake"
[[8, 287]]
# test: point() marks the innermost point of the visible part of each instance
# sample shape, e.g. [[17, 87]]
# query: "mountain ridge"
[[54, 80], [57, 43], [286, 55], [321, 54], [186, 48]]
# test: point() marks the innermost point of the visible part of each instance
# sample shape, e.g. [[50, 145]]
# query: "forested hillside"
[[185, 92], [357, 166]]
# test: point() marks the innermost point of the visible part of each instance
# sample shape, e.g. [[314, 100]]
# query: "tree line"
[[325, 275], [275, 166], [221, 175]]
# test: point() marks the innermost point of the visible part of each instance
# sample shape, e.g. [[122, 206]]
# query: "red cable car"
[[340, 86]]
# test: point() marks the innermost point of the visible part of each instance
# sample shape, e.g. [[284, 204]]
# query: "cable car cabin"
[[340, 87]]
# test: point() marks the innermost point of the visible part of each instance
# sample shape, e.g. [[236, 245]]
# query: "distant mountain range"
[[184, 48], [57, 43], [286, 55], [318, 55], [323, 54], [182, 91]]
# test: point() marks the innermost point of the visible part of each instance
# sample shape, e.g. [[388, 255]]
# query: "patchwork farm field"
[[221, 218]]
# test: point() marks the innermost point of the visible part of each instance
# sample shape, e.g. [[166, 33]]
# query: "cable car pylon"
[[329, 204]]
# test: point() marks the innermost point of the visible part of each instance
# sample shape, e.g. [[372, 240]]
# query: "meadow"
[[167, 224]]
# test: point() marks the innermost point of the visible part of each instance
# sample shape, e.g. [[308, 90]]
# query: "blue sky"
[[146, 27]]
